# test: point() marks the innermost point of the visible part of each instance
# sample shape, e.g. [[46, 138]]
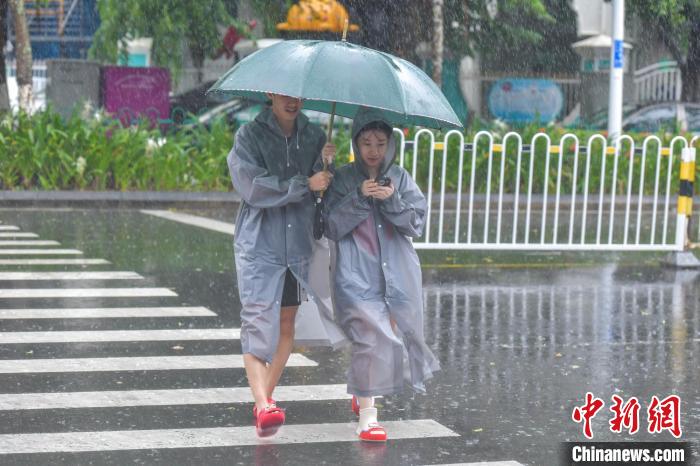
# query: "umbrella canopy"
[[351, 76]]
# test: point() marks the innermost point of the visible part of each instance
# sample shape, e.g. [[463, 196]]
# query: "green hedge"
[[46, 152]]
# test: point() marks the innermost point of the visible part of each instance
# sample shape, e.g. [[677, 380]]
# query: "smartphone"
[[384, 181]]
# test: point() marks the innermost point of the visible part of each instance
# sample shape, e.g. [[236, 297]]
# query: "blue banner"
[[525, 100]]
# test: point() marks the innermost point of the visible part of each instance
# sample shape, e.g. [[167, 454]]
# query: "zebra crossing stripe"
[[69, 276], [8, 228], [148, 363], [208, 437], [124, 398], [105, 312], [34, 293], [119, 335], [29, 242], [202, 222], [38, 252], [18, 235], [54, 262]]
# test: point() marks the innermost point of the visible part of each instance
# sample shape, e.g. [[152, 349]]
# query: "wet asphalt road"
[[519, 346]]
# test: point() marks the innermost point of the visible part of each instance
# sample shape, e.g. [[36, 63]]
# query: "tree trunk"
[[689, 73], [438, 41], [198, 56], [689, 92], [23, 53], [4, 95]]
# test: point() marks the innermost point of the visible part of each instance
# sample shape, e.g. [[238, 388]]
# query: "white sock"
[[365, 402], [367, 416]]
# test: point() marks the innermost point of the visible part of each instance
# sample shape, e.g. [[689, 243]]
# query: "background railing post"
[[683, 257]]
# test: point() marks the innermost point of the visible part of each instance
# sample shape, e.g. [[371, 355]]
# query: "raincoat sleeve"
[[345, 208], [255, 184], [405, 209]]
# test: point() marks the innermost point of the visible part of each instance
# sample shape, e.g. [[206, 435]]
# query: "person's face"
[[284, 107], [372, 145]]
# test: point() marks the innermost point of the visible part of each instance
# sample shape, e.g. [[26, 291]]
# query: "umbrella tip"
[[345, 29]]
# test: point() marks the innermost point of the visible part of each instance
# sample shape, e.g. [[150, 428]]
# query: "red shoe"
[[375, 433], [355, 406], [269, 420], [270, 401]]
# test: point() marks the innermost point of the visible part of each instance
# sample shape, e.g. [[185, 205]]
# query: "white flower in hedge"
[[87, 110], [80, 165], [153, 144]]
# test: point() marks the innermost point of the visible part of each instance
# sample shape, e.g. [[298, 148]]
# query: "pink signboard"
[[129, 93]]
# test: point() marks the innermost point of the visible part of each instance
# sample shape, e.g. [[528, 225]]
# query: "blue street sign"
[[618, 53]]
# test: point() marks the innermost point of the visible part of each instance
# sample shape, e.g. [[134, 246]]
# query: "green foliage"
[[271, 12], [168, 22], [45, 152], [675, 23], [530, 37], [480, 24]]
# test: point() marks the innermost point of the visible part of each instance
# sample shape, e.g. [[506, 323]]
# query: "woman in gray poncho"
[[275, 165], [372, 208]]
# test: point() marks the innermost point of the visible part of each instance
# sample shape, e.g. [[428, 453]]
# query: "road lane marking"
[[209, 437], [105, 312], [147, 363], [85, 336], [34, 293], [202, 222], [25, 276], [38, 252], [29, 242], [54, 262], [192, 396]]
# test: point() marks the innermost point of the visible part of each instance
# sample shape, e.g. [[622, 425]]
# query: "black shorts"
[[291, 293]]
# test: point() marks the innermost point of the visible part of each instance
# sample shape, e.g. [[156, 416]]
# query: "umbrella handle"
[[329, 138]]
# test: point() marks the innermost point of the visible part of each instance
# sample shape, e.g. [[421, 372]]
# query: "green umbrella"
[[338, 77]]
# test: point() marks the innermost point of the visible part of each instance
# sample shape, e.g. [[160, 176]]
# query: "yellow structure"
[[317, 16]]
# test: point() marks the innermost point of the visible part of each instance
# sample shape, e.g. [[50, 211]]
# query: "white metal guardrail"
[[507, 195], [660, 82]]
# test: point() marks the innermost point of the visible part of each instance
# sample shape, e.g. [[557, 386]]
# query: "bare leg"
[[284, 348], [256, 370]]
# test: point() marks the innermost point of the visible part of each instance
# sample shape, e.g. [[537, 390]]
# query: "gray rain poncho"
[[377, 275], [274, 232]]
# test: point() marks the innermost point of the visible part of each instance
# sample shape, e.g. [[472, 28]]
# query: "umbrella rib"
[[401, 92], [310, 65]]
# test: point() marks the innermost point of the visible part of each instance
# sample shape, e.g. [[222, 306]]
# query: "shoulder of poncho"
[[247, 130], [246, 136]]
